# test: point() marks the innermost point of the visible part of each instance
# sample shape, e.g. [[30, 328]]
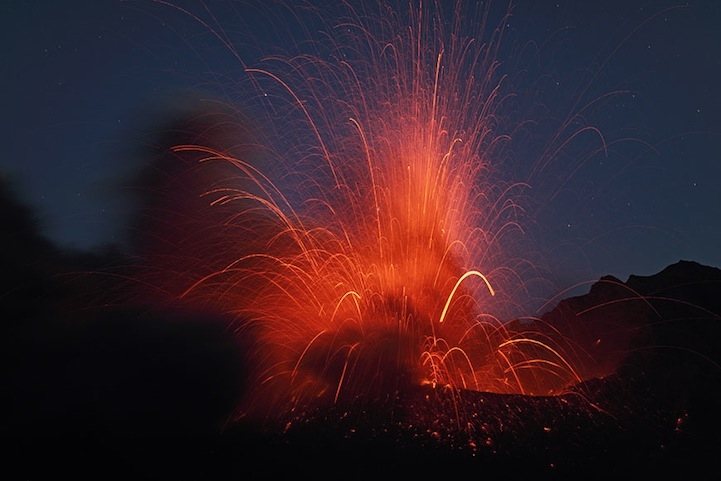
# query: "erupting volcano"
[[367, 240]]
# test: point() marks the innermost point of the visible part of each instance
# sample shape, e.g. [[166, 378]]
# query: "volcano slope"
[[141, 392]]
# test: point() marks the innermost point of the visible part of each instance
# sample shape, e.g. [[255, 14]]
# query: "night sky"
[[83, 82]]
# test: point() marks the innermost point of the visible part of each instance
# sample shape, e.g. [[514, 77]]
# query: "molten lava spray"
[[358, 229]]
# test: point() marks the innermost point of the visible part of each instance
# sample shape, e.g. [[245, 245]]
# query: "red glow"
[[378, 250]]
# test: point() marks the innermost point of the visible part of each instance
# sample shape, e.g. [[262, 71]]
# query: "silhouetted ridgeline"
[[656, 413]]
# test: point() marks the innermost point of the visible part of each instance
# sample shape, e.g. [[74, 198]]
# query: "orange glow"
[[373, 254]]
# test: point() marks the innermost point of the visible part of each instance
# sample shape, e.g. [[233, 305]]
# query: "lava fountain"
[[359, 230]]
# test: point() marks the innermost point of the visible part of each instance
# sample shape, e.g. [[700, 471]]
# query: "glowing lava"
[[362, 242]]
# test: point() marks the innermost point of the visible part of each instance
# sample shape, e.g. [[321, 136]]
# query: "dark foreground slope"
[[95, 392]]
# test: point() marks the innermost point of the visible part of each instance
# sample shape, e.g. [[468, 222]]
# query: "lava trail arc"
[[359, 226]]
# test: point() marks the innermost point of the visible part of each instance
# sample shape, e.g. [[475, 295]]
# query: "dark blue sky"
[[83, 79]]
